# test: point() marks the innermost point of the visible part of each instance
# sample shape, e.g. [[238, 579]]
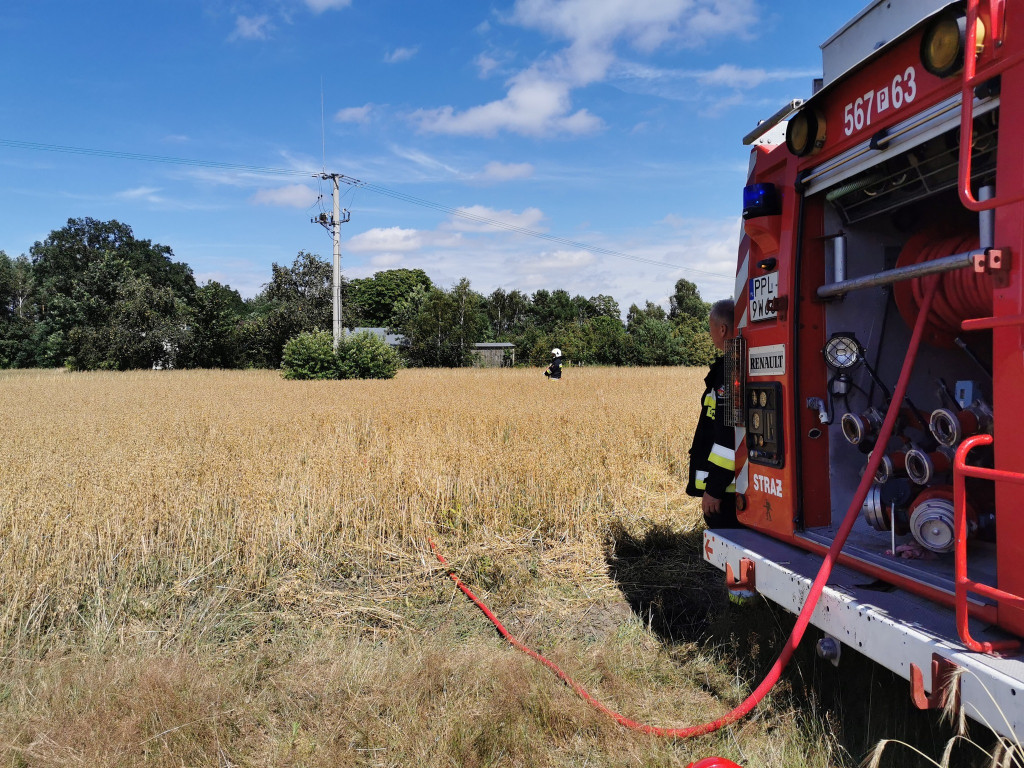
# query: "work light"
[[843, 352], [944, 42], [805, 133]]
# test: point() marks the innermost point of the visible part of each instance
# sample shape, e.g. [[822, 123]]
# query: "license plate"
[[763, 289]]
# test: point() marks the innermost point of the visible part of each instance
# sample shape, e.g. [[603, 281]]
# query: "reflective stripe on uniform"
[[723, 457], [710, 402], [701, 483]]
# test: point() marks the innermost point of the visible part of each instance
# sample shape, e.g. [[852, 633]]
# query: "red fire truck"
[[876, 381]]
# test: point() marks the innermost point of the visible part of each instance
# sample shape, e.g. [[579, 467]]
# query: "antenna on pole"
[[333, 224], [323, 132]]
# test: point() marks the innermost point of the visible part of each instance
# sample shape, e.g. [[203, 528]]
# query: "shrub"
[[367, 356], [310, 356]]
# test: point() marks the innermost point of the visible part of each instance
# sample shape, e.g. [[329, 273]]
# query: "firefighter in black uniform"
[[713, 452], [554, 371]]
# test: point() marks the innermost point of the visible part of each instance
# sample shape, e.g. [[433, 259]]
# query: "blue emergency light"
[[761, 200]]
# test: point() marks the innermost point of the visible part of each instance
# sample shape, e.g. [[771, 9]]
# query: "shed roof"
[[392, 339]]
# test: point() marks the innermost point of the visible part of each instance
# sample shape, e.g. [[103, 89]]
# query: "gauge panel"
[[764, 424]]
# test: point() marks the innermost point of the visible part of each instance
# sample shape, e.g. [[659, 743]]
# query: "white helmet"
[[556, 352]]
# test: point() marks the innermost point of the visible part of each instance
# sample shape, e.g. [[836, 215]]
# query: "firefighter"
[[713, 454], [554, 371]]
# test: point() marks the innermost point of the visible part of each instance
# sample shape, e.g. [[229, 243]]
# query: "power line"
[[117, 155], [354, 183]]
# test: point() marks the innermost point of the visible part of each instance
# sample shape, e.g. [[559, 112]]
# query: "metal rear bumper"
[[893, 628]]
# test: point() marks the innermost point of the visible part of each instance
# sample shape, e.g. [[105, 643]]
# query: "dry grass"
[[225, 568]]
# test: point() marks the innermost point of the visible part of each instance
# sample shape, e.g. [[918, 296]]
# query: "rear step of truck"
[[913, 637]]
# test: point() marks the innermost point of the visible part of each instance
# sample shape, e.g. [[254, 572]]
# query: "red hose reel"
[[962, 294]]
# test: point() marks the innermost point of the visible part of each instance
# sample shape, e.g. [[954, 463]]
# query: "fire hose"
[[803, 618]]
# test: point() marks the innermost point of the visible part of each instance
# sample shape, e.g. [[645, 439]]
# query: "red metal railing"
[[961, 471], [984, 323], [972, 80]]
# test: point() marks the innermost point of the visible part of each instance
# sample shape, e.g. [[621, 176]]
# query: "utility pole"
[[333, 225]]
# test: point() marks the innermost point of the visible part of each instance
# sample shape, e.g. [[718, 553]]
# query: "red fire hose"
[[804, 617]]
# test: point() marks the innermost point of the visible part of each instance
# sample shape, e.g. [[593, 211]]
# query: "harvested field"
[[225, 568]]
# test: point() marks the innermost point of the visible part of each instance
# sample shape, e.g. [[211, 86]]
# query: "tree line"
[[93, 296]]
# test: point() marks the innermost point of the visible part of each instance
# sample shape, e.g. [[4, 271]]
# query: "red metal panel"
[[1008, 341], [883, 92], [771, 495], [780, 500]]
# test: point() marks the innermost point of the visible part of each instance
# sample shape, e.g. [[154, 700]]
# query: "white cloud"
[[386, 239], [251, 28], [704, 250], [319, 6], [354, 114], [292, 196], [400, 54], [486, 64], [495, 171], [562, 260], [536, 105], [426, 161], [731, 76], [388, 260], [538, 99], [140, 193], [646, 25], [480, 218], [723, 76]]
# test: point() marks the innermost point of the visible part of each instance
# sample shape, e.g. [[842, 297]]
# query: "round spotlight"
[[944, 42], [805, 132], [843, 352]]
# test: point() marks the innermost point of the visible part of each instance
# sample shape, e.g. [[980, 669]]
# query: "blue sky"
[[615, 124]]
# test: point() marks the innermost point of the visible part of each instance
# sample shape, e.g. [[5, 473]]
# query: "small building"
[[494, 354], [393, 340]]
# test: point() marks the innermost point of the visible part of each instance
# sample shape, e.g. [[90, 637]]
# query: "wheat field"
[[227, 568]]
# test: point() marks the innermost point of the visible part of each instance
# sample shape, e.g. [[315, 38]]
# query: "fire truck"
[[876, 377]]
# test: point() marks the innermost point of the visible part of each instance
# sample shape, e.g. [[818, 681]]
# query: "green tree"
[[695, 342], [121, 320], [686, 302], [373, 299], [650, 337], [310, 355], [17, 312], [305, 288], [651, 342], [508, 313], [606, 306], [604, 341], [63, 257], [106, 299], [441, 326], [296, 300], [367, 356], [212, 338], [650, 311]]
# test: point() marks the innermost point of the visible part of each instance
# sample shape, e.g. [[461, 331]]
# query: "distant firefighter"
[[554, 371]]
